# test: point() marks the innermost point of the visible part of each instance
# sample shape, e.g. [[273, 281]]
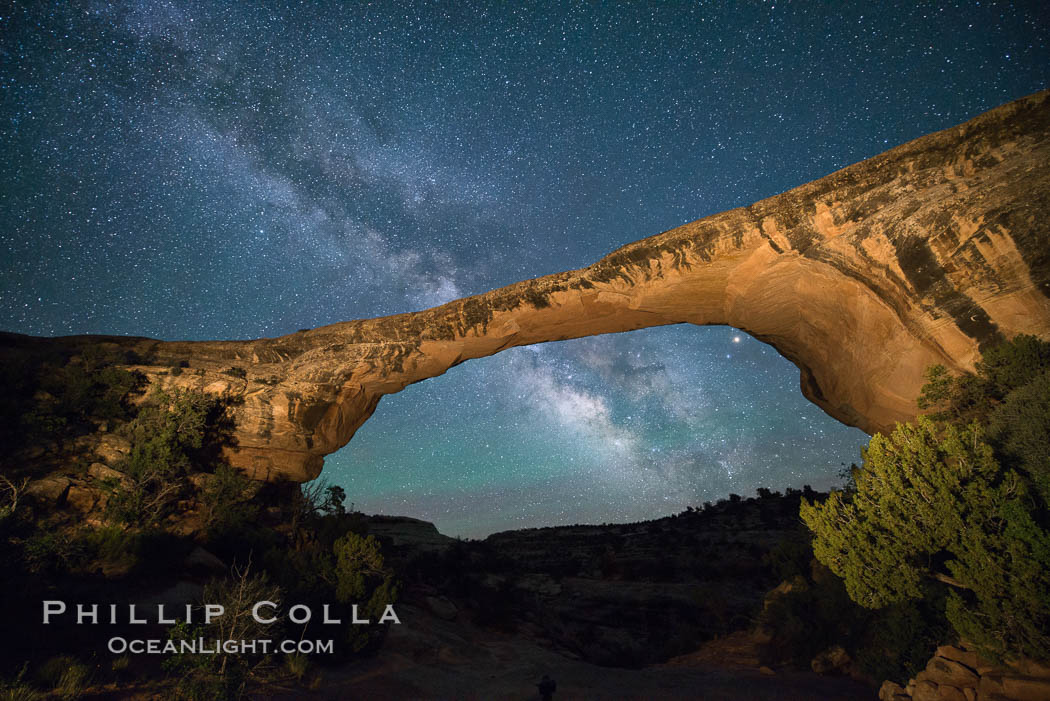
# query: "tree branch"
[[950, 581]]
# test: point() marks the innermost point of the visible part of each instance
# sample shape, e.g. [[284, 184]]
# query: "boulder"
[[892, 691], [199, 558], [990, 686], [102, 472], [834, 660], [1025, 688], [199, 479], [174, 598], [85, 442], [51, 490], [783, 589], [957, 654], [950, 693], [112, 448], [81, 498], [959, 674], [945, 671], [925, 690], [442, 607], [1031, 668]]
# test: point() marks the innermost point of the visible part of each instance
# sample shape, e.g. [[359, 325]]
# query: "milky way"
[[192, 170]]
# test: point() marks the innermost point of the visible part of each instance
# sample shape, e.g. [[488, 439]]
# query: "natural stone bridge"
[[863, 278]]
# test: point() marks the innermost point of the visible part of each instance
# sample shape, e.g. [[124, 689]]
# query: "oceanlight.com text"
[[201, 646]]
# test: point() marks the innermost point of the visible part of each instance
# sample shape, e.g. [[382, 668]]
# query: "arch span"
[[863, 278]]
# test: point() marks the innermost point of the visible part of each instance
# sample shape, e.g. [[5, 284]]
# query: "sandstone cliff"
[[863, 278]]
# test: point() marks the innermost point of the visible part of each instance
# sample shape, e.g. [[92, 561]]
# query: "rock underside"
[[921, 255]]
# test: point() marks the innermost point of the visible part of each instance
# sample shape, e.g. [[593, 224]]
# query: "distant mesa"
[[863, 278]]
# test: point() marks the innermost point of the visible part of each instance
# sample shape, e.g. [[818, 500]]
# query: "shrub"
[[18, 689], [224, 675], [50, 395], [356, 559], [50, 552], [226, 501], [815, 614], [363, 579], [939, 507], [898, 639], [1001, 370], [109, 545], [1019, 427], [66, 676], [166, 438], [791, 556], [297, 664]]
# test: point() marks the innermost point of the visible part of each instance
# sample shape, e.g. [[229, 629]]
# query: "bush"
[[225, 675], [110, 545], [167, 437], [933, 505], [49, 553], [50, 395], [1019, 427], [898, 639], [791, 556], [363, 579], [1001, 370], [66, 676], [298, 665], [226, 502], [18, 689], [940, 511]]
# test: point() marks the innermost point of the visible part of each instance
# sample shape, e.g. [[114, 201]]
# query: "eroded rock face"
[[863, 278]]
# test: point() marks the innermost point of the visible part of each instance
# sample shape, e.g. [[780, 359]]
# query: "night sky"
[[188, 170]]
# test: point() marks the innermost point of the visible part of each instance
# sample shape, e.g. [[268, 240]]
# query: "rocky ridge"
[[863, 278]]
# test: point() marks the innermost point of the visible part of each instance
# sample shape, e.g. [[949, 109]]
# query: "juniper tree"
[[933, 507]]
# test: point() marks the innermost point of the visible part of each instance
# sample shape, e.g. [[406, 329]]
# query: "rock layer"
[[863, 278]]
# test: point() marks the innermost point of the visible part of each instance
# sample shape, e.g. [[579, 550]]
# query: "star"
[[208, 170]]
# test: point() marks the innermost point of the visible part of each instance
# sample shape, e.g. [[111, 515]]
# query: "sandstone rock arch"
[[863, 278]]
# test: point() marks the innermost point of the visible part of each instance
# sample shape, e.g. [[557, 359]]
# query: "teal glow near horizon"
[[614, 428]]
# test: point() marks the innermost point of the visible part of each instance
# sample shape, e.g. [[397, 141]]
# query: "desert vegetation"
[[165, 512], [939, 535], [949, 514]]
